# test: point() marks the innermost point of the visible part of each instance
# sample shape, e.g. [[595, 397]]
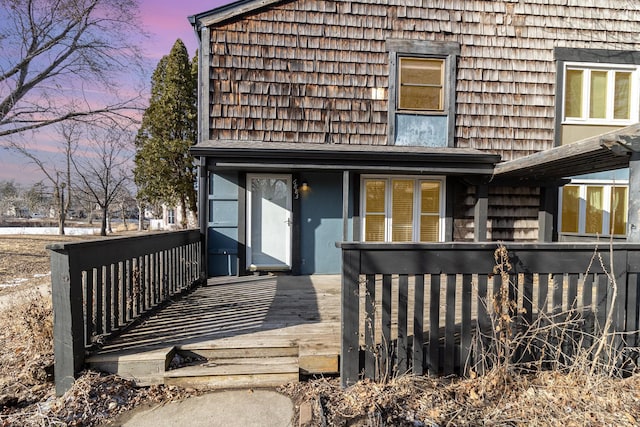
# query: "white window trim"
[[582, 208], [634, 112], [416, 205]]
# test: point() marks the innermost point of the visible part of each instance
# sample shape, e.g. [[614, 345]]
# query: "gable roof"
[[229, 11]]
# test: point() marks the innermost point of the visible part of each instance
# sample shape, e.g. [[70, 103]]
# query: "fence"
[[422, 308], [99, 287]]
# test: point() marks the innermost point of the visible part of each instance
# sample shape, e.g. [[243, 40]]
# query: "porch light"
[[305, 186]]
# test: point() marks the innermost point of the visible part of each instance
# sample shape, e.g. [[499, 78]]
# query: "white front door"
[[269, 220]]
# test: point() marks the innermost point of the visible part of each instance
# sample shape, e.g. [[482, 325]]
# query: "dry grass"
[[568, 384], [22, 257], [27, 395], [505, 396], [26, 368], [495, 399]]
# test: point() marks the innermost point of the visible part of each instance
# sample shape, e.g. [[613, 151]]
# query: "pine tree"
[[164, 171]]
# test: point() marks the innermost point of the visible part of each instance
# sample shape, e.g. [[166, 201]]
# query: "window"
[[595, 94], [597, 91], [421, 83], [171, 216], [422, 92], [402, 209], [594, 209]]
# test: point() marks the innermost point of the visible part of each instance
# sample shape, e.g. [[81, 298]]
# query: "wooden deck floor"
[[248, 312]]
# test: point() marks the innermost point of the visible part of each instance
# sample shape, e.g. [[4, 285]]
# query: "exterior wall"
[[321, 224], [573, 133], [223, 246], [306, 71], [317, 71], [319, 215], [512, 216]]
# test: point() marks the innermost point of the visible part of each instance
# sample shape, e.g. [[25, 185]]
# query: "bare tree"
[[126, 204], [37, 198], [102, 172], [58, 177], [57, 54]]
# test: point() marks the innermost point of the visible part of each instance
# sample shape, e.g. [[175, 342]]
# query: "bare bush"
[[551, 372], [27, 340]]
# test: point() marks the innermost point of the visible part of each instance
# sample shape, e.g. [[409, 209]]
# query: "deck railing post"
[[546, 283], [349, 350], [68, 325], [112, 282]]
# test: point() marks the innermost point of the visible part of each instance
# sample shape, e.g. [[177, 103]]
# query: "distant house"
[[324, 121], [15, 210], [171, 219]]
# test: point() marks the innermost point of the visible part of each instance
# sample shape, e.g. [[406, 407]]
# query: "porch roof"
[[596, 154], [362, 158]]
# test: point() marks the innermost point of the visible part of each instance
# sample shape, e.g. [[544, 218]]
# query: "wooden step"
[[319, 364], [225, 349], [236, 373], [144, 368], [317, 357]]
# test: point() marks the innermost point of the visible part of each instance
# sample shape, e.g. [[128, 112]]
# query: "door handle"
[[288, 221]]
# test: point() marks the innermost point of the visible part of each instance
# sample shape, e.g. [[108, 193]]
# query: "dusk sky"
[[164, 21]]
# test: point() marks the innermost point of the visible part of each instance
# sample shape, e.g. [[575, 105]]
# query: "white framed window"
[[593, 208], [402, 209], [600, 94], [171, 216]]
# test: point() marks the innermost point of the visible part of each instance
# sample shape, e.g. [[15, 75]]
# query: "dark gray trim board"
[[633, 212], [468, 258], [600, 56], [256, 154], [230, 11]]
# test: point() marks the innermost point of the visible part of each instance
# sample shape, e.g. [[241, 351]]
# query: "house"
[[170, 219], [418, 121], [15, 210]]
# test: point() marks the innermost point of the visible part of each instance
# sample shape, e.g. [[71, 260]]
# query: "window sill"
[[578, 122]]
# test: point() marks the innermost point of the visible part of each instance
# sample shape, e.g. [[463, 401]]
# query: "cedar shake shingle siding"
[[304, 71], [513, 213]]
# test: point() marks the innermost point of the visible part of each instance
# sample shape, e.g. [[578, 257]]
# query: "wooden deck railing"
[[101, 286], [422, 308]]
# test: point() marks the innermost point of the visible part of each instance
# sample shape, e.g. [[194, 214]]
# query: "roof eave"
[[599, 153], [451, 161], [229, 11]]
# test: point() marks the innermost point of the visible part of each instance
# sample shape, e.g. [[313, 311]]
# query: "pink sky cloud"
[[164, 21]]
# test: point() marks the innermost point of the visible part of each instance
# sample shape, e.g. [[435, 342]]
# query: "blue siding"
[[321, 223], [223, 224]]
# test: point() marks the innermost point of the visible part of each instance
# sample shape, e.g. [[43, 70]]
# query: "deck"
[[266, 330], [251, 317]]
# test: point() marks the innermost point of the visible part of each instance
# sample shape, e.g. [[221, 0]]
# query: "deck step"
[[230, 349], [235, 362], [236, 373], [144, 368]]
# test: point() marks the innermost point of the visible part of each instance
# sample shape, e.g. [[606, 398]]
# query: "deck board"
[[269, 311]]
